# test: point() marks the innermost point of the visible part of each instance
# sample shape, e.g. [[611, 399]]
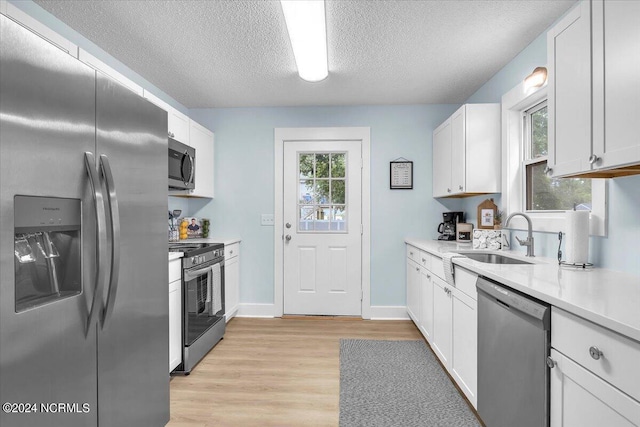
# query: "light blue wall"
[[244, 175], [619, 250]]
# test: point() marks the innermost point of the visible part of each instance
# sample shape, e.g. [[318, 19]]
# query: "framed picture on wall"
[[401, 174], [486, 214]]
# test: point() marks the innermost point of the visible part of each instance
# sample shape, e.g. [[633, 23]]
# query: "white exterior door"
[[322, 227]]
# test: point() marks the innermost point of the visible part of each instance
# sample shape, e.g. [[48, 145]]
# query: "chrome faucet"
[[529, 241]]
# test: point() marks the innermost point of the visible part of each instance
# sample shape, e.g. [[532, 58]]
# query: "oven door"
[[203, 299]]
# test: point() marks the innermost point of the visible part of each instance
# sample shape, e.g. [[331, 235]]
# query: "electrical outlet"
[[267, 219]]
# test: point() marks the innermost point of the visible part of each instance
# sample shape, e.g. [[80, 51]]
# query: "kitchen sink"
[[494, 258]]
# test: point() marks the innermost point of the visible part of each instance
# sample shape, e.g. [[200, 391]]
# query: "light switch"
[[267, 219]]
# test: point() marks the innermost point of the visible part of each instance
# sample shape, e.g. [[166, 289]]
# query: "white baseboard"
[[256, 310], [386, 312], [380, 312]]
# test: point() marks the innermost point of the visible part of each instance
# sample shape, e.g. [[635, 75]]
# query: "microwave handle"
[[193, 167], [192, 274]]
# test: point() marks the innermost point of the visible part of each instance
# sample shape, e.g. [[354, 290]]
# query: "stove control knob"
[[201, 258], [193, 261]]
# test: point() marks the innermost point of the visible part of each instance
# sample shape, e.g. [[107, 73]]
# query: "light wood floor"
[[274, 372]]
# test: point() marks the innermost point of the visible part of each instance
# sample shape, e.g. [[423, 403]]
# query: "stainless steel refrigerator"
[[83, 244]]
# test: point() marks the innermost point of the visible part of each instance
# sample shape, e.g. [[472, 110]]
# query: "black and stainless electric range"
[[203, 322]]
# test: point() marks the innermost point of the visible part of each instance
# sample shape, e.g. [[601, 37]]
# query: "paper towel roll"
[[577, 237]]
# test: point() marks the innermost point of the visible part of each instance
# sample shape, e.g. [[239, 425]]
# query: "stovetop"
[[191, 249]]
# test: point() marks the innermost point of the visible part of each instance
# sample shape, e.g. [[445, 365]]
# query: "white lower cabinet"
[[426, 299], [464, 355], [446, 315], [595, 380], [231, 280], [442, 321], [580, 398], [175, 313], [413, 291]]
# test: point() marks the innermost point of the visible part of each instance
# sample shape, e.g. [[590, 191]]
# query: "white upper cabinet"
[[27, 21], [202, 139], [594, 63], [97, 64], [466, 152], [177, 123]]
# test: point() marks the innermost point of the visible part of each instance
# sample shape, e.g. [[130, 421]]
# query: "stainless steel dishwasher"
[[513, 345]]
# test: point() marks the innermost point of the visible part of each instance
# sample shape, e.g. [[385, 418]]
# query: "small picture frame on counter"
[[486, 214]]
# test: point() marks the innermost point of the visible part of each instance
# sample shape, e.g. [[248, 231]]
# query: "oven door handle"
[[192, 274]]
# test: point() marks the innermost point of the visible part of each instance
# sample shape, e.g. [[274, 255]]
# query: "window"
[[543, 193], [321, 201], [525, 185]]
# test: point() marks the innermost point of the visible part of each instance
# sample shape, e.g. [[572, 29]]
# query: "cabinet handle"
[[593, 159], [448, 190], [231, 252], [428, 276], [551, 363], [547, 170], [417, 268], [411, 253], [460, 187], [424, 260], [595, 352]]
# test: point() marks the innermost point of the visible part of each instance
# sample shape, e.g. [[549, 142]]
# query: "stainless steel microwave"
[[182, 166]]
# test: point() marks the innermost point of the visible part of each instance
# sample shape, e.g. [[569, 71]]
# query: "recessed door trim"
[[325, 134]]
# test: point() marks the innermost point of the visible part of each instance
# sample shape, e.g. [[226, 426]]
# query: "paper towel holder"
[[583, 265]]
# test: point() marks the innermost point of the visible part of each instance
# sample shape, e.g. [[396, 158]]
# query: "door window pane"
[[322, 186], [337, 191], [337, 165]]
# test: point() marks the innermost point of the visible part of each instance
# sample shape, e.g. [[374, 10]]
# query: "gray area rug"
[[397, 383]]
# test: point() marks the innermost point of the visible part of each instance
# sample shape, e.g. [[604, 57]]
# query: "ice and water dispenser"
[[47, 246]]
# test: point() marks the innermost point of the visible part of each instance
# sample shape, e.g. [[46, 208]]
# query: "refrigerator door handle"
[[101, 232], [114, 213]]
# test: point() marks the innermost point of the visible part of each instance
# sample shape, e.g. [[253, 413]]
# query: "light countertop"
[[175, 255], [606, 297]]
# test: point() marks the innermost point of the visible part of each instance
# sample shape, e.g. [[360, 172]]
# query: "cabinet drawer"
[[231, 251], [425, 260], [466, 282], [413, 253], [437, 267], [175, 270], [576, 338]]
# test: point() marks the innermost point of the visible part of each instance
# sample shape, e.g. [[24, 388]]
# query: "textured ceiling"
[[237, 53]]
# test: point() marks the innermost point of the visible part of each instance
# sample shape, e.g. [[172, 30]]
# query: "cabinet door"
[[442, 321], [569, 86], [426, 312], [178, 125], [464, 357], [580, 398], [442, 160], [413, 291], [175, 324], [231, 287], [616, 85], [458, 140], [202, 140]]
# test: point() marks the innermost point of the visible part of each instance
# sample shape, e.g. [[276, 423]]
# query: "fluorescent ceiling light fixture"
[[308, 34]]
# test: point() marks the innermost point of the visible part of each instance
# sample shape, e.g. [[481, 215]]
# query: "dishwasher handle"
[[514, 300]]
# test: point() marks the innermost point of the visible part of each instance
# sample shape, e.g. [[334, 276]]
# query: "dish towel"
[[448, 266], [216, 280]]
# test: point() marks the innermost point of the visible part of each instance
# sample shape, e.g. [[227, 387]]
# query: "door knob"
[[287, 237], [288, 225], [595, 352]]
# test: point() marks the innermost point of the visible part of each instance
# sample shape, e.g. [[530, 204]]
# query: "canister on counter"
[[463, 232]]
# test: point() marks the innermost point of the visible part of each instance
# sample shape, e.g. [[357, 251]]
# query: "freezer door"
[[133, 342], [47, 116]]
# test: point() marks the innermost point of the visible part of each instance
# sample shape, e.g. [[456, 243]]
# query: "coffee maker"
[[447, 228]]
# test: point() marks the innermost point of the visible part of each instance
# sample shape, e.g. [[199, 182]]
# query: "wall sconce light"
[[536, 79], [307, 31]]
